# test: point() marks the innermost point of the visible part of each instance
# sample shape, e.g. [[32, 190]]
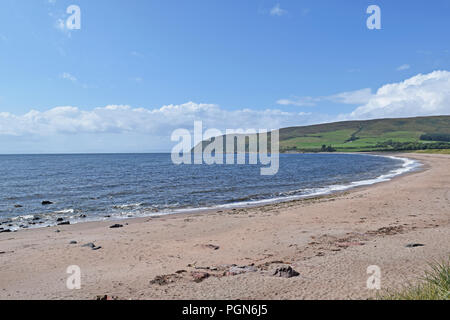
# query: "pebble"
[[414, 245], [286, 272]]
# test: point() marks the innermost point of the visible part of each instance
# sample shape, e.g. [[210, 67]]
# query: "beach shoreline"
[[330, 240], [66, 215]]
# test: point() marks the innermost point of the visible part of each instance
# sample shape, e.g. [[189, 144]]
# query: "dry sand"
[[330, 241]]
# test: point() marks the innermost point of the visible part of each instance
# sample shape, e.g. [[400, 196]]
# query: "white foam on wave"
[[408, 165]]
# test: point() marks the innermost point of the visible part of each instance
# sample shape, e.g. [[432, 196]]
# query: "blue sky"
[[293, 62]]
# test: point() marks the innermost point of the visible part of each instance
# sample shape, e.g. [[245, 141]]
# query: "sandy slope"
[[331, 241]]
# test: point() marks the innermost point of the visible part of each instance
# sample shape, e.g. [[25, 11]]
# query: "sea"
[[93, 187]]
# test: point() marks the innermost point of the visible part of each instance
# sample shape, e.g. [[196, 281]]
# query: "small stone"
[[414, 245], [18, 206], [46, 203], [73, 242], [6, 230], [286, 272], [115, 226], [199, 276], [59, 220], [211, 246], [64, 223], [235, 270], [106, 297], [90, 245]]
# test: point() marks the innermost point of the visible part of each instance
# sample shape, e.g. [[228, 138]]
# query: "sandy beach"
[[330, 241]]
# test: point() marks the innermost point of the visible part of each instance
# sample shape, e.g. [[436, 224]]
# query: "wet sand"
[[329, 240]]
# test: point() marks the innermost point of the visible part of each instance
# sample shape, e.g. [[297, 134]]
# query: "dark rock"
[[116, 226], [235, 270], [36, 218], [18, 206], [6, 230], [414, 245], [46, 203], [180, 271], [73, 242], [83, 216], [63, 223], [211, 246], [106, 298], [286, 272], [59, 220], [91, 245], [199, 276], [165, 279]]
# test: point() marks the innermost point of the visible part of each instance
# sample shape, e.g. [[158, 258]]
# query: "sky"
[[137, 70]]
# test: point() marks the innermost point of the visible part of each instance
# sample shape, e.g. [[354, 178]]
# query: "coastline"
[[330, 240], [409, 165]]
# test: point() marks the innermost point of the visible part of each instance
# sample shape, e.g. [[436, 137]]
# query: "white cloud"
[[277, 11], [350, 97], [136, 54], [68, 76], [125, 119], [421, 95], [403, 67], [299, 101], [118, 128]]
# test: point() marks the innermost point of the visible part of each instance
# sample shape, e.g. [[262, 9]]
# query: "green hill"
[[421, 133], [369, 135]]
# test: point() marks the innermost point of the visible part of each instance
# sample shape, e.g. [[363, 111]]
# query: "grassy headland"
[[402, 134], [372, 135]]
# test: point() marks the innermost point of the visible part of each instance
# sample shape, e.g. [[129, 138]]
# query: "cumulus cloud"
[[421, 95], [120, 119], [122, 128]]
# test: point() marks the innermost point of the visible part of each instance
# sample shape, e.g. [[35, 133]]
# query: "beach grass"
[[435, 285]]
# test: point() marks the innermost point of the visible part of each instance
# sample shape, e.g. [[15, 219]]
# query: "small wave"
[[141, 209], [408, 165], [65, 211], [128, 206]]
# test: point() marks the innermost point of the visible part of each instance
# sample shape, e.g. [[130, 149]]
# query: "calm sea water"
[[96, 187]]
